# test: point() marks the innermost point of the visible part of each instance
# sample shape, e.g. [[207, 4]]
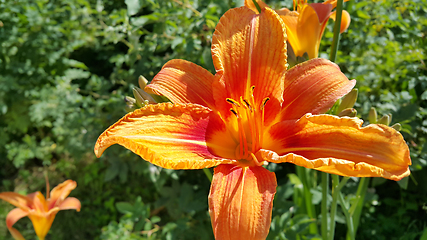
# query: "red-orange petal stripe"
[[165, 134], [241, 201], [183, 82], [339, 146], [313, 87]]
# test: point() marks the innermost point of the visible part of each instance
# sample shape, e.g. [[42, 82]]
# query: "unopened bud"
[[130, 100], [348, 100], [384, 120], [142, 81], [397, 126], [372, 117], [348, 112], [142, 98], [390, 117], [130, 104]]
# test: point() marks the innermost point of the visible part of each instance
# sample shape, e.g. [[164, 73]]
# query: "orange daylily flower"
[[251, 112], [41, 212], [306, 25]]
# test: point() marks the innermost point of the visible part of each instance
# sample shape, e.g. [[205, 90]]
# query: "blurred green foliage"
[[66, 66]]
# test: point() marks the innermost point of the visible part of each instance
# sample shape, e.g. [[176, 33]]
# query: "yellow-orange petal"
[[339, 146], [250, 4], [60, 193], [240, 202], [250, 50], [70, 203], [345, 20], [17, 200], [42, 223], [313, 87], [14, 215], [309, 30], [183, 82], [165, 134]]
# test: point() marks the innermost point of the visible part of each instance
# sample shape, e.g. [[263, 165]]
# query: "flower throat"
[[250, 124]]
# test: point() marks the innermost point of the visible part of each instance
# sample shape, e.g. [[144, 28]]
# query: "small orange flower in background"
[[306, 25], [41, 212], [251, 112]]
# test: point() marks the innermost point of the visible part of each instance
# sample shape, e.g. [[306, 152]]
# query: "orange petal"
[[310, 29], [339, 146], [16, 234], [17, 200], [60, 193], [250, 50], [14, 215], [240, 202], [250, 4], [345, 20], [313, 87], [168, 135], [39, 202], [70, 203], [290, 18], [333, 2], [183, 82]]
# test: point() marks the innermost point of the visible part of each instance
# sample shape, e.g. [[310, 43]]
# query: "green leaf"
[[124, 207], [133, 6]]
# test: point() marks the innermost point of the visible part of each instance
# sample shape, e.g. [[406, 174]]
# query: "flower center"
[[250, 124]]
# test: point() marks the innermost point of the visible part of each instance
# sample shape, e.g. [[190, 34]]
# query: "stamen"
[[232, 101], [247, 104], [234, 112], [264, 102]]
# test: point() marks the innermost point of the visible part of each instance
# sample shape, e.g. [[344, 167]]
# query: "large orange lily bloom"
[[41, 212], [306, 25], [251, 112]]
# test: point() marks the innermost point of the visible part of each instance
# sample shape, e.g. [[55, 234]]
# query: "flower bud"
[[142, 98], [384, 120], [348, 100], [142, 81], [348, 112], [373, 115], [397, 126]]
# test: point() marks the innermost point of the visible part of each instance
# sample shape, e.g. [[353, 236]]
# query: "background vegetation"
[[66, 66]]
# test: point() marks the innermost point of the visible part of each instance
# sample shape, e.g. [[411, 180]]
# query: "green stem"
[[356, 208], [311, 212], [208, 174], [348, 218], [257, 6], [336, 188], [337, 27], [324, 205]]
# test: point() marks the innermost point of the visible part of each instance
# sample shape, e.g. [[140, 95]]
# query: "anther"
[[247, 104], [232, 101], [264, 102], [234, 112]]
